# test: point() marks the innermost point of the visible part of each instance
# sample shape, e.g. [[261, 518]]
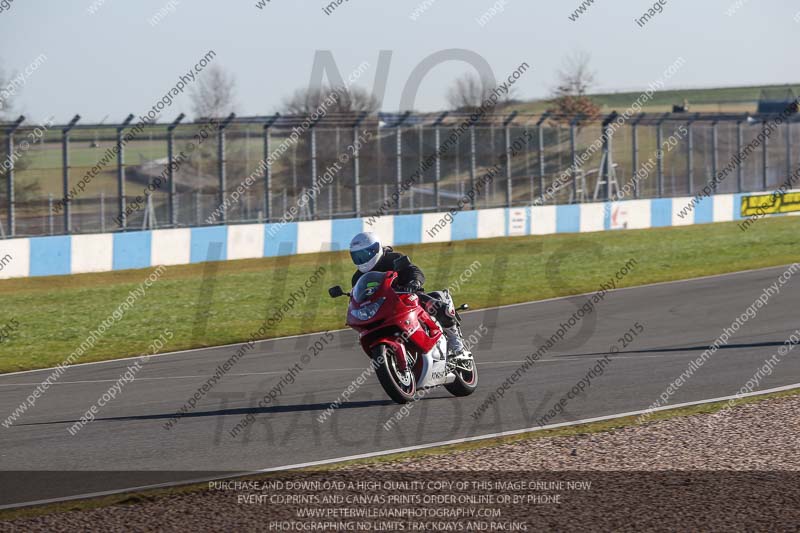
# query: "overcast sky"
[[114, 62]]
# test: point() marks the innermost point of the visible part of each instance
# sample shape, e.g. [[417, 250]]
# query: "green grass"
[[55, 314]]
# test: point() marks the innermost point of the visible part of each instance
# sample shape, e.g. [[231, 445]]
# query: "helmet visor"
[[363, 256]]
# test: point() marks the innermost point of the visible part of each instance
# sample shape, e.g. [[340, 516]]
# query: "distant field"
[[43, 161], [725, 99]]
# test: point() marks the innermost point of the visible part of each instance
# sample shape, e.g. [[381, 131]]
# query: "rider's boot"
[[455, 344]]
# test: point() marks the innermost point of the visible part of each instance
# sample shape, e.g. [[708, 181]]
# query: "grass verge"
[[211, 304], [583, 429]]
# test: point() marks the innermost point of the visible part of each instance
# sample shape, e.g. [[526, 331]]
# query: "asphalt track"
[[128, 446]]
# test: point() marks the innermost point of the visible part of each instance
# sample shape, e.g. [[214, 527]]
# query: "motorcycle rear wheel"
[[401, 387]]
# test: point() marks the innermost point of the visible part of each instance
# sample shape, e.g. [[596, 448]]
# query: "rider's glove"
[[413, 285]]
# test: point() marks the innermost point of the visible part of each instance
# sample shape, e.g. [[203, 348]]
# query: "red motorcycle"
[[407, 345]]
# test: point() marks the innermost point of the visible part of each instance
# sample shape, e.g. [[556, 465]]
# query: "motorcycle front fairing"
[[383, 316]]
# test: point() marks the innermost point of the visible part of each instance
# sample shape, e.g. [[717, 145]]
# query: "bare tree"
[[575, 80], [350, 100], [468, 92], [6, 95], [213, 97], [23, 190], [214, 93]]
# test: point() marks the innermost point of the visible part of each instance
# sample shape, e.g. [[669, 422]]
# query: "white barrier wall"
[[44, 256], [171, 247]]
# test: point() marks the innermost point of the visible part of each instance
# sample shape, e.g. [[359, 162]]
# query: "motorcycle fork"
[[399, 352]]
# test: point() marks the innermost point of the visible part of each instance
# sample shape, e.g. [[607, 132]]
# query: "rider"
[[369, 256]]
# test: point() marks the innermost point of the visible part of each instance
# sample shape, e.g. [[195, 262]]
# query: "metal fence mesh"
[[319, 172]]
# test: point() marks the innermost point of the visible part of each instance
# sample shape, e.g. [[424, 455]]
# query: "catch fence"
[[355, 165]]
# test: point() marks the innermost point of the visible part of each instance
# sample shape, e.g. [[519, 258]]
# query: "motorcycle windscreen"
[[367, 285]]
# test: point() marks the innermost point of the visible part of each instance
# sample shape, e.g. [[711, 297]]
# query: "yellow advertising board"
[[770, 204]]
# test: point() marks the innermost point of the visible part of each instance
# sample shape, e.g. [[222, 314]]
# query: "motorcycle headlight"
[[368, 311]]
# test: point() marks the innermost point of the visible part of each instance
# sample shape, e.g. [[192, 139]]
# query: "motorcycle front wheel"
[[400, 386], [466, 381]]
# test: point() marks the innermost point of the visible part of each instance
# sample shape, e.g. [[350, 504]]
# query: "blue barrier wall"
[[47, 256]]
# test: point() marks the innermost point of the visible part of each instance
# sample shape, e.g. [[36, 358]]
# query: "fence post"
[[268, 167], [102, 212], [12, 221], [528, 171], [660, 155], [65, 172], [635, 154], [689, 158], [714, 155], [573, 151], [357, 165], [331, 186], [472, 165], [420, 149], [196, 208], [267, 174], [739, 169], [437, 178], [509, 186], [123, 222], [223, 186], [488, 195], [50, 213], [399, 157], [764, 158], [312, 201], [173, 214], [222, 167], [788, 126], [608, 148], [356, 171], [541, 155]]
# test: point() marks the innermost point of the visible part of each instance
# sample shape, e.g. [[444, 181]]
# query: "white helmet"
[[366, 251]]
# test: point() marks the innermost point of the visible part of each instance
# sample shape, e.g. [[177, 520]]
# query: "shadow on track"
[[683, 349], [227, 412]]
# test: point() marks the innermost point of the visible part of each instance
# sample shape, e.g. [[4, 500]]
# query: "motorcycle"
[[405, 343]]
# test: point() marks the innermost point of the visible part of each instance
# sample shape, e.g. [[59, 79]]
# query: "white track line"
[[397, 450], [482, 363], [204, 376], [347, 329], [566, 359]]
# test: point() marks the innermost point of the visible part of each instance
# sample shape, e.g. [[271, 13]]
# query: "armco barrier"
[[47, 256]]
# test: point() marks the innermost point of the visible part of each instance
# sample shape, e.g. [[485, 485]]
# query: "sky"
[[114, 61]]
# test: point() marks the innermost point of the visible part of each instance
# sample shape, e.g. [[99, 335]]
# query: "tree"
[[213, 97], [214, 93], [575, 79], [6, 95], [295, 169], [470, 91], [350, 100], [23, 191]]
